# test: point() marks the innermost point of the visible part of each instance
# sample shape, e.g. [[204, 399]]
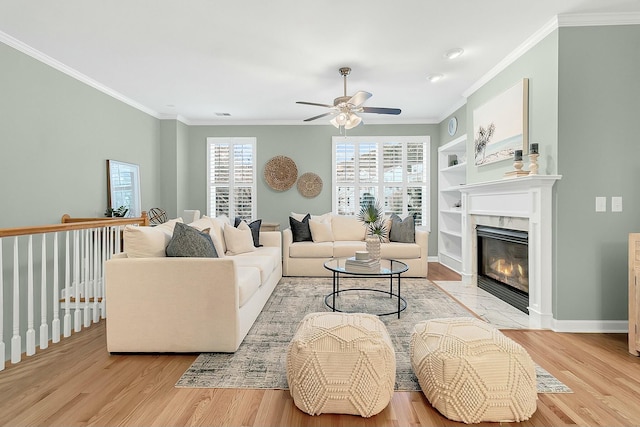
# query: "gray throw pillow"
[[300, 229], [403, 231], [190, 242]]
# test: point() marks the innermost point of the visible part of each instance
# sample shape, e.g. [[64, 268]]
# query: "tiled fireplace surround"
[[523, 203]]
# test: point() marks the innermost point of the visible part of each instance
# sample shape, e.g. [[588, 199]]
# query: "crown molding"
[[568, 20], [237, 122], [452, 109], [594, 20], [534, 39], [54, 63]]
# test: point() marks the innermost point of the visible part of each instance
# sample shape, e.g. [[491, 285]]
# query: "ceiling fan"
[[345, 107]]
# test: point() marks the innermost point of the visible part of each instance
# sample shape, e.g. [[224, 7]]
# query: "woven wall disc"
[[309, 184], [281, 173]]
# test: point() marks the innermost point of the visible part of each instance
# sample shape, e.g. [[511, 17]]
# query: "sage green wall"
[[174, 167], [55, 136], [598, 152], [540, 66], [310, 147]]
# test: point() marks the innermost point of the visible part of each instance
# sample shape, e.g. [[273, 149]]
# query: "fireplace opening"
[[503, 264]]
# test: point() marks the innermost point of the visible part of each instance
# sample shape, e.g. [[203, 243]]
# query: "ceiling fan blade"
[[379, 110], [359, 98], [319, 116], [314, 103]]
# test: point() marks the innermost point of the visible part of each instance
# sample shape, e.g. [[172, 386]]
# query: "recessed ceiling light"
[[454, 53], [170, 106], [223, 114], [434, 77]]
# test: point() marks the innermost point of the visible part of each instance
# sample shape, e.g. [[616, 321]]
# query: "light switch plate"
[[601, 204], [616, 204]]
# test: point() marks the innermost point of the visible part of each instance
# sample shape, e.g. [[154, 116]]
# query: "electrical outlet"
[[616, 204], [601, 204]]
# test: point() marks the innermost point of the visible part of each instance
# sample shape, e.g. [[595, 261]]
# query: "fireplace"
[[503, 264]]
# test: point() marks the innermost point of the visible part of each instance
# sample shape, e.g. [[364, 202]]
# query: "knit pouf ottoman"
[[471, 372], [341, 363]]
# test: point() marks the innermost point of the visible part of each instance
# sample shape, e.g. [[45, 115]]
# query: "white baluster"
[[55, 325], [31, 332], [96, 252], [104, 259], [86, 306], [2, 349], [16, 346], [67, 290], [44, 326], [77, 314]]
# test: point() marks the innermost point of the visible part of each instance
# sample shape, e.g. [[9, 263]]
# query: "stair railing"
[[69, 260]]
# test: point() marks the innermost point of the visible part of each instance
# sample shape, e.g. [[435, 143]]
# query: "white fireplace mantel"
[[528, 198]]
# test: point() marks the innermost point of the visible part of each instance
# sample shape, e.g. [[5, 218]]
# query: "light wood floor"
[[78, 383]]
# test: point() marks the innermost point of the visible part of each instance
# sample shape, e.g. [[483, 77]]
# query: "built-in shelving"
[[452, 175]]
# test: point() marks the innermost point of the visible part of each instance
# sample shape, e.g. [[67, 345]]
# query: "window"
[[392, 170], [231, 176]]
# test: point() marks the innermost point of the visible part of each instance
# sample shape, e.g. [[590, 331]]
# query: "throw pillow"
[[146, 241], [321, 231], [190, 242], [255, 229], [239, 240], [402, 231], [300, 229], [215, 231], [323, 217]]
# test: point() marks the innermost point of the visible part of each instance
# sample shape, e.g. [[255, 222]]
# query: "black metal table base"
[[330, 300], [402, 303]]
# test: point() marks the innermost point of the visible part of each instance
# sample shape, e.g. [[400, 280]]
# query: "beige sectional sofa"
[[172, 304], [308, 258]]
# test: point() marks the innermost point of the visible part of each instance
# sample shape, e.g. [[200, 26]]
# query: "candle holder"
[[533, 163], [517, 165]]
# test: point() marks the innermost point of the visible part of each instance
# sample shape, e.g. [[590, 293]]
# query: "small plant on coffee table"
[[372, 216]]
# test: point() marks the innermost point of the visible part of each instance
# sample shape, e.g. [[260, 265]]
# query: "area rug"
[[260, 362]]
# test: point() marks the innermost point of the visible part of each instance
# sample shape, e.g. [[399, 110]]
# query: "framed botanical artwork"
[[501, 125]]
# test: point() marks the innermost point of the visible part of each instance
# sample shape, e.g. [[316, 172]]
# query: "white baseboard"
[[433, 258], [591, 326]]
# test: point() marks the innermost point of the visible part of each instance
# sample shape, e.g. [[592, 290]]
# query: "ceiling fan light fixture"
[[454, 53], [353, 121]]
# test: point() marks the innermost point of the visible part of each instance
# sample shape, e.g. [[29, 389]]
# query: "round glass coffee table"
[[388, 268]]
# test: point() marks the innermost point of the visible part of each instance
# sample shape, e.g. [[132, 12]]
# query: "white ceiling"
[[255, 59]]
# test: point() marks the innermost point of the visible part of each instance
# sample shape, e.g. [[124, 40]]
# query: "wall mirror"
[[123, 187]]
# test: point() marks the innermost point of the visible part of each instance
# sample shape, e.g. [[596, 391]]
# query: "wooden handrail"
[[69, 223]]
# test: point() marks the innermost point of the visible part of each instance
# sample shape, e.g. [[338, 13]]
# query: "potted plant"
[[119, 212], [372, 216]]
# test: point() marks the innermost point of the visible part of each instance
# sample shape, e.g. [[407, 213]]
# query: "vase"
[[373, 246]]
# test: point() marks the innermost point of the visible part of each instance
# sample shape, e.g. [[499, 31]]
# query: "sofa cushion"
[[272, 251], [347, 228], [248, 283], [394, 250], [311, 250], [323, 217], [265, 264], [321, 231], [347, 248], [403, 231], [254, 226], [190, 242], [300, 229], [215, 231], [148, 242]]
